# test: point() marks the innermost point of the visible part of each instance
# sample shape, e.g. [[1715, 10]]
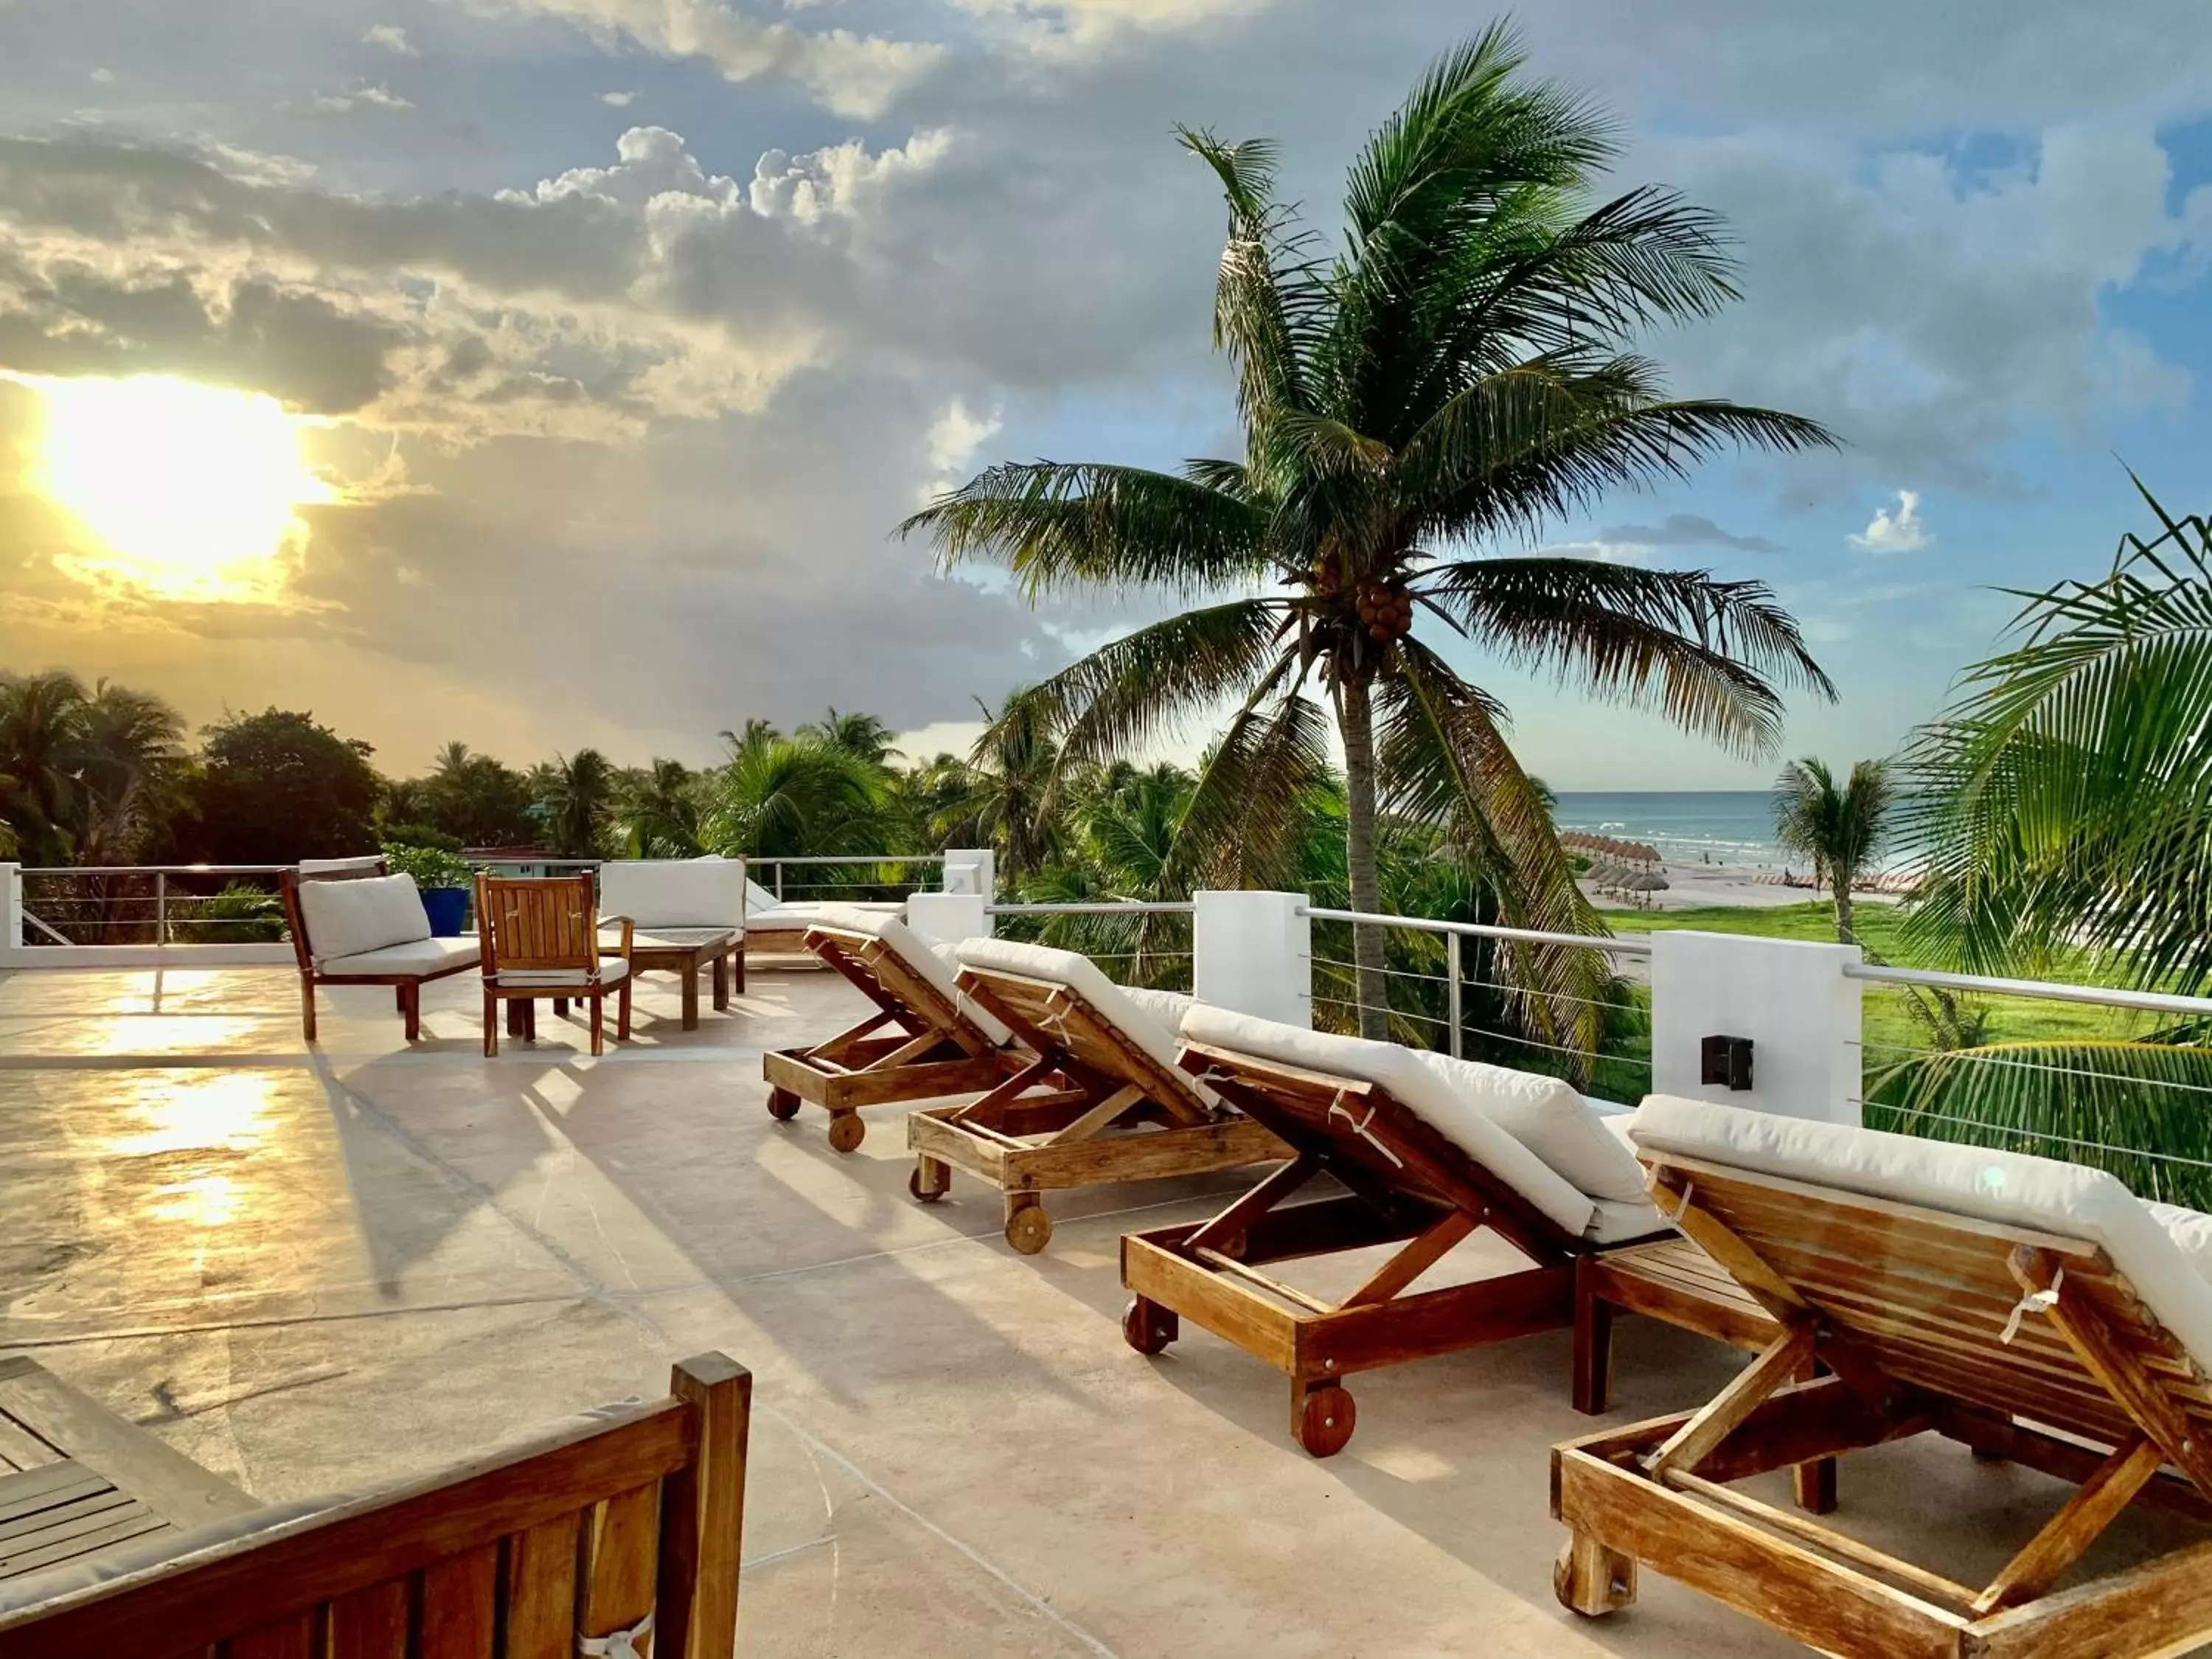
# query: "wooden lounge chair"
[[620, 1523], [686, 915], [2032, 1310], [77, 1482], [1098, 1101], [775, 927], [540, 936], [354, 924], [925, 1041], [1429, 1149]]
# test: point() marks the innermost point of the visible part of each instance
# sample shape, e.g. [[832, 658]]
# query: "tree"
[[86, 779], [863, 735], [1457, 375], [477, 799], [38, 731], [576, 796], [1837, 827], [2062, 804], [277, 787], [657, 811], [794, 798]]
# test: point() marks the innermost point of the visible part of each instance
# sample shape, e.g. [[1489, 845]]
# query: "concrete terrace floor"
[[321, 1269]]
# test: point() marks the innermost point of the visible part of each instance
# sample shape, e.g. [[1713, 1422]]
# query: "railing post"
[[779, 881], [1452, 995], [1790, 998], [1253, 952], [161, 906], [11, 911]]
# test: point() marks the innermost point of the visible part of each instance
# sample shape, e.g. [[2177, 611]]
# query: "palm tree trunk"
[[1356, 715], [1843, 889]]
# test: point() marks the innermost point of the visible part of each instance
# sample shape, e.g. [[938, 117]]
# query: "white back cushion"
[[345, 918], [1155, 1039], [758, 897], [2039, 1193], [933, 967], [1548, 1117], [674, 892], [1423, 1091], [327, 866]]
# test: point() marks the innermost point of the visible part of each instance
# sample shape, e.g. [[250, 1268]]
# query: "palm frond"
[[1057, 525], [1247, 818], [1705, 653]]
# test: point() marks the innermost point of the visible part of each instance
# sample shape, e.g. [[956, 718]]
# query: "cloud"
[[356, 100], [954, 440], [391, 38], [858, 75], [102, 77], [1685, 530], [617, 99], [1072, 29], [1901, 531]]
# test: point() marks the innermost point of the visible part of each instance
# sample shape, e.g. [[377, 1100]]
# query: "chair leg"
[[1814, 1484], [737, 971], [529, 1018], [598, 1010], [516, 1007], [690, 975], [721, 984], [1593, 1356], [560, 1007], [307, 1008], [491, 1023], [622, 1009], [400, 999], [411, 1008]]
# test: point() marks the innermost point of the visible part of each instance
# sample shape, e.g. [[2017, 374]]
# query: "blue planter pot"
[[448, 909]]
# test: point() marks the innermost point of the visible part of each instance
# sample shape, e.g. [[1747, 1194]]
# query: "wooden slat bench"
[[541, 1551]]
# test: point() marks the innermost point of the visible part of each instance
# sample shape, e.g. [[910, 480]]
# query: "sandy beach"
[[1693, 886]]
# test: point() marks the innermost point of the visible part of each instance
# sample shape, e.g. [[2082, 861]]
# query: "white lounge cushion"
[[1166, 1006], [656, 893], [935, 966], [1617, 1223], [611, 970], [416, 956], [798, 918], [2039, 1193], [348, 918], [2191, 1231], [1144, 1029], [1417, 1087], [1552, 1120]]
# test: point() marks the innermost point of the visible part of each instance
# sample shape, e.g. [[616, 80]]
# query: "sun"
[[187, 491]]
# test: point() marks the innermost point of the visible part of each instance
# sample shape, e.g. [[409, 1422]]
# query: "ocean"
[[1717, 826]]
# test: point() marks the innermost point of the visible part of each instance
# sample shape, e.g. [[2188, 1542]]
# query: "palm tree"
[[795, 797], [859, 734], [657, 813], [1457, 373], [577, 797], [1837, 827], [40, 732], [1015, 763], [130, 751]]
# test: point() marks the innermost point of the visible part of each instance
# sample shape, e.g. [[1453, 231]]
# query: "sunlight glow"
[[189, 491]]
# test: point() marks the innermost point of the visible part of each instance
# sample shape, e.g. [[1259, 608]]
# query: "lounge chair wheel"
[[929, 1180], [1592, 1580], [1326, 1419], [846, 1131], [1028, 1228], [783, 1105], [1147, 1327]]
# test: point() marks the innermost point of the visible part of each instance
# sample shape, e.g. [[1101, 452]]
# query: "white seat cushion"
[[1616, 1223], [1552, 1120], [932, 964], [363, 863], [416, 956], [1414, 1085], [1112, 1003], [350, 918], [660, 893], [2040, 1194], [2191, 1231], [611, 969]]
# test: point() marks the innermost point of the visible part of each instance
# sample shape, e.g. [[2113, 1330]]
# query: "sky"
[[602, 343]]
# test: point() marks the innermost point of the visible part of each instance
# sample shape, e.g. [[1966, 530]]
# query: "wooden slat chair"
[[924, 1041], [1416, 1141], [364, 935], [540, 937], [1098, 1101], [2030, 1309], [622, 1522]]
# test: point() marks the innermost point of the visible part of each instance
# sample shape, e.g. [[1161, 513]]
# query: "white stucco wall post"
[[1790, 998], [948, 918], [1253, 952], [972, 870], [11, 913]]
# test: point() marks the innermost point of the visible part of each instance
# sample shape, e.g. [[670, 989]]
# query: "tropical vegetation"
[[1837, 827], [1459, 373]]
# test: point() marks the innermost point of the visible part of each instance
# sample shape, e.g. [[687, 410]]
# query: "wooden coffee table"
[[683, 952]]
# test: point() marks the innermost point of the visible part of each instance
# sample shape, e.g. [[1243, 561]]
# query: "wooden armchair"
[[540, 938], [353, 923]]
